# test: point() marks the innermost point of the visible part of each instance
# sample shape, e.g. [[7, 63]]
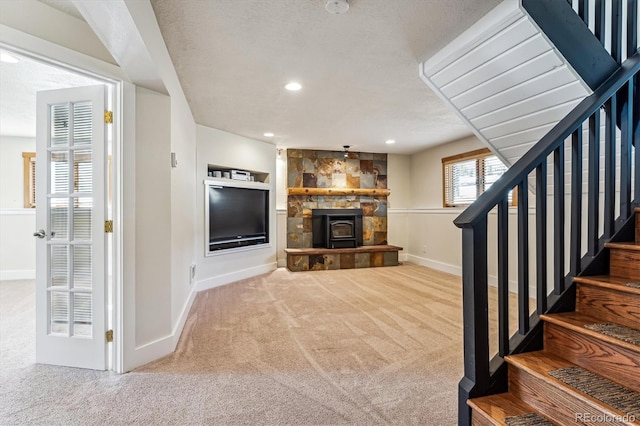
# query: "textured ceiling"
[[19, 83], [359, 70]]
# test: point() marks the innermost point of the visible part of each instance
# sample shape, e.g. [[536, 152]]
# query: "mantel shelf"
[[379, 192]]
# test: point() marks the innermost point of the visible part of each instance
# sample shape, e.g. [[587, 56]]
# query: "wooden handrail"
[[374, 192]]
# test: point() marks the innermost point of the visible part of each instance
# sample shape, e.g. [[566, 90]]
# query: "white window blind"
[[468, 175], [29, 179]]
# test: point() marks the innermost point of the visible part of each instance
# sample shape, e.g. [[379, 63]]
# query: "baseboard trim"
[[149, 352], [18, 274], [179, 326], [242, 274], [492, 280], [164, 346], [435, 264]]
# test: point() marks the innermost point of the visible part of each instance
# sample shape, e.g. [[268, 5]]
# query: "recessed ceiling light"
[[10, 59], [293, 86], [268, 135], [389, 141]]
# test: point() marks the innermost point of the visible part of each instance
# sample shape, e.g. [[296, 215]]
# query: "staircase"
[[575, 357], [589, 369]]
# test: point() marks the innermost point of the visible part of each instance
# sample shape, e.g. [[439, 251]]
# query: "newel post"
[[475, 306]]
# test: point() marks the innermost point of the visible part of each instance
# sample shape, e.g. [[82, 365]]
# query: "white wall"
[[11, 169], [153, 217], [433, 239], [177, 205], [17, 245], [17, 224], [399, 201], [281, 208], [184, 187], [225, 149]]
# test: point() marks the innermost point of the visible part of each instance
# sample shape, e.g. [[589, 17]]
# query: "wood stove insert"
[[337, 228]]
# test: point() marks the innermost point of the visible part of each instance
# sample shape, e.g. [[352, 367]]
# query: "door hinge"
[[108, 226], [108, 117], [109, 336]]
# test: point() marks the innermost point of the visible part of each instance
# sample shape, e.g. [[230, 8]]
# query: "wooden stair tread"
[[608, 281], [627, 245], [495, 408], [537, 363], [590, 370], [576, 321], [540, 363]]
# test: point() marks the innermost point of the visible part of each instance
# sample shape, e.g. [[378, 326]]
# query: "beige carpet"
[[366, 346]]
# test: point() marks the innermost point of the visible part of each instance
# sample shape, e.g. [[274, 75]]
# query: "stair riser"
[[550, 400], [637, 227], [609, 305], [613, 362], [479, 420], [625, 263]]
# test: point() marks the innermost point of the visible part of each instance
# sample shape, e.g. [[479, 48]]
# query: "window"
[[29, 182], [466, 176], [82, 176]]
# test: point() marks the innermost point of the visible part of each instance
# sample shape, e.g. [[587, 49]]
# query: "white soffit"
[[115, 27], [506, 80], [65, 6]]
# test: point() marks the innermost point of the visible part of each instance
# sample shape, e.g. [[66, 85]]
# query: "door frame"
[[55, 55]]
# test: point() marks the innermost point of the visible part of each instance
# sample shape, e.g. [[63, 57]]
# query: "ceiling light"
[[390, 141], [10, 59], [293, 86], [336, 6], [346, 151], [268, 135]]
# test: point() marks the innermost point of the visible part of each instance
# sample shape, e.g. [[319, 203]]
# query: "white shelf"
[[258, 176], [236, 183]]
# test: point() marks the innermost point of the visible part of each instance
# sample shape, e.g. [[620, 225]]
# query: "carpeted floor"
[[366, 346]]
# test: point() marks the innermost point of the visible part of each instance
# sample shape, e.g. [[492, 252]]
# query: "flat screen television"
[[236, 216]]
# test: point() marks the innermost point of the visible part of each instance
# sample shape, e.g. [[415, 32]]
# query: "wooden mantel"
[[339, 191]]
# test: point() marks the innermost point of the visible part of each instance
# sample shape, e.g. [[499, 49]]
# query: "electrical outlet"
[[424, 249], [192, 273]]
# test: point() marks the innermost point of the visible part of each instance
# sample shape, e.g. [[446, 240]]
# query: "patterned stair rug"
[[633, 285], [610, 393], [529, 419], [618, 331]]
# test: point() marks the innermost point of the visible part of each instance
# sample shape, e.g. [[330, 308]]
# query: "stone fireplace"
[[354, 179], [324, 189]]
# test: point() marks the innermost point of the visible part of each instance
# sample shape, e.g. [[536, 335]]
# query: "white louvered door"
[[70, 215]]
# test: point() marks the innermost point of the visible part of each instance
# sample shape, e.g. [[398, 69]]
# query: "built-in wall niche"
[[224, 172]]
